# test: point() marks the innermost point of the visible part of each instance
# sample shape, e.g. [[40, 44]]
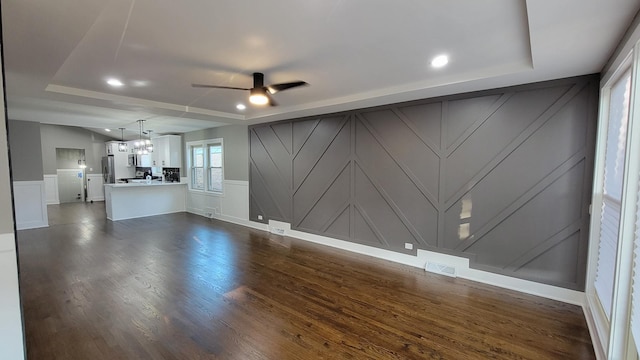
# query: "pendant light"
[[139, 144], [149, 144], [143, 146], [122, 146]]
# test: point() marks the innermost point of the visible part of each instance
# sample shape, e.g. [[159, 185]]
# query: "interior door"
[[71, 185]]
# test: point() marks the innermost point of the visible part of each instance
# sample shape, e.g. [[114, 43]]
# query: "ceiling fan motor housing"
[[258, 80]]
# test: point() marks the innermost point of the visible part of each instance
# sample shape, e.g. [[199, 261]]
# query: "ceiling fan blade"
[[284, 86], [271, 101], [217, 87]]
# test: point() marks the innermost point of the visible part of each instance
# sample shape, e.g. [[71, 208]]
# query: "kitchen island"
[[134, 200]]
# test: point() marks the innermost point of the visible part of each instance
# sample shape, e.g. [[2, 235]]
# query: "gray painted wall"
[[236, 149], [68, 158], [70, 137], [6, 207], [26, 155], [501, 177]]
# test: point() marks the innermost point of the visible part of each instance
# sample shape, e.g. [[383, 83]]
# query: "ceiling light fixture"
[[440, 61], [148, 143], [142, 146], [122, 146], [258, 96], [114, 82], [107, 130], [241, 106]]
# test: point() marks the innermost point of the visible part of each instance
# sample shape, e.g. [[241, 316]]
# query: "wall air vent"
[[440, 269]]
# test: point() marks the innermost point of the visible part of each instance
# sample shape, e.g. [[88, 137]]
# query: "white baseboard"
[[30, 204], [420, 260]]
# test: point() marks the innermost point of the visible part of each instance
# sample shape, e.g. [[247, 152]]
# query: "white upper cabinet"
[[167, 151]]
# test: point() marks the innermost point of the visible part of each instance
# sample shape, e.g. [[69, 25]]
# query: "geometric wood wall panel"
[[501, 177]]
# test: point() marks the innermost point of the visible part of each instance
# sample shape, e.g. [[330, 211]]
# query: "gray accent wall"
[[71, 137], [236, 149], [501, 177], [26, 154]]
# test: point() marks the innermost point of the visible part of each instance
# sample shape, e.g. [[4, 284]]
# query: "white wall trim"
[[51, 189], [95, 187], [597, 324], [7, 242], [232, 206], [420, 260], [11, 331], [237, 182], [30, 204]]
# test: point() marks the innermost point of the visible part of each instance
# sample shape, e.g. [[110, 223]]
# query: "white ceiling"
[[353, 54]]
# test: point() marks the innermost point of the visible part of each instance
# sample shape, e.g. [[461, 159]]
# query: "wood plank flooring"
[[184, 287]]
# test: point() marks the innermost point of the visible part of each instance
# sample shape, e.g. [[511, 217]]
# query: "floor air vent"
[[440, 269]]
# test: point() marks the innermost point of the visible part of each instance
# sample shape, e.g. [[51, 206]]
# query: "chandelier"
[[143, 146]]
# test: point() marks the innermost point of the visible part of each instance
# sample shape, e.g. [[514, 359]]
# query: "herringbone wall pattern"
[[502, 177]]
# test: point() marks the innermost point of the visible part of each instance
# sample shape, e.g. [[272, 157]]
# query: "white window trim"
[[205, 144], [614, 337]]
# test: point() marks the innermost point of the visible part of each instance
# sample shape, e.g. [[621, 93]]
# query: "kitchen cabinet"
[[167, 151], [144, 160]]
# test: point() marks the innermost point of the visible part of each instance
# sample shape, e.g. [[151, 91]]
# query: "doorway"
[[70, 164]]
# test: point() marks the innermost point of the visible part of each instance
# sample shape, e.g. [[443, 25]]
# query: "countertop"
[[153, 183]]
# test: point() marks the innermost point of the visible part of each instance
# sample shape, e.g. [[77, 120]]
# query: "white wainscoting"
[[51, 189], [95, 187], [30, 204], [231, 206], [11, 340]]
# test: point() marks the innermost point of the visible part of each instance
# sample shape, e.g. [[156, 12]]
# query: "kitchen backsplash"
[[171, 174]]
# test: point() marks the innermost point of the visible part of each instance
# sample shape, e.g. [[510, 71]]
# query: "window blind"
[[609, 229], [612, 190], [635, 288]]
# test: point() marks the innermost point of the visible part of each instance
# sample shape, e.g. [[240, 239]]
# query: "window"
[[206, 170], [197, 168], [215, 168], [615, 149]]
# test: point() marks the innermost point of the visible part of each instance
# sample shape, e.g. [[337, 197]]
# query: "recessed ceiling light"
[[139, 83], [440, 61], [107, 130], [241, 107], [114, 82]]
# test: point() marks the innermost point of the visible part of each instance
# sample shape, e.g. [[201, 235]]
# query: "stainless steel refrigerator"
[[108, 170]]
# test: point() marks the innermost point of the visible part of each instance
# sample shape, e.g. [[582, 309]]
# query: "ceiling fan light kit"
[[259, 94], [258, 97]]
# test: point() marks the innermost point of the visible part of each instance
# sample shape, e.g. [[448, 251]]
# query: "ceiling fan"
[[259, 94]]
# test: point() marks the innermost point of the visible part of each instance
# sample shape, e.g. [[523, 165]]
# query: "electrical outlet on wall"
[[408, 246], [259, 217]]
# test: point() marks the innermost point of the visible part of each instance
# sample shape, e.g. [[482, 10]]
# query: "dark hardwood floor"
[[184, 287]]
